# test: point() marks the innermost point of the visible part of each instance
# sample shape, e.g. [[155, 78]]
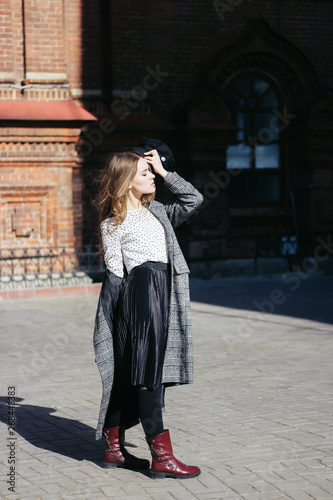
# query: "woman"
[[142, 335]]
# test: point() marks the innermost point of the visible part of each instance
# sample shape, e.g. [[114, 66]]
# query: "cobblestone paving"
[[257, 420]]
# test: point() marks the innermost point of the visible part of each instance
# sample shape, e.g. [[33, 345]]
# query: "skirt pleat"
[[141, 326]]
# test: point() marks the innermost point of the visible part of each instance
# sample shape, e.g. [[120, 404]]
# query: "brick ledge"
[[56, 291], [44, 111]]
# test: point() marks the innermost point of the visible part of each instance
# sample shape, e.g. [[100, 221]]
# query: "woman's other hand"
[[152, 157]]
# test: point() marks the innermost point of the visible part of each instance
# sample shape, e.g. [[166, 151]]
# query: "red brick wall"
[[11, 41], [44, 37], [116, 47], [73, 41], [179, 36], [40, 43], [6, 38], [17, 40], [182, 36], [34, 212], [91, 48], [36, 189]]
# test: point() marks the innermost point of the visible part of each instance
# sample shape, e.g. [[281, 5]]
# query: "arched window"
[[256, 108]]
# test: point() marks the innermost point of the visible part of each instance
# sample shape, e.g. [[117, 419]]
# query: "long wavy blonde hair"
[[114, 182]]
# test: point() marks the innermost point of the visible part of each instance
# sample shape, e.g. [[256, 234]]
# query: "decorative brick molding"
[[9, 94], [37, 158], [28, 215], [35, 145], [43, 93], [26, 151]]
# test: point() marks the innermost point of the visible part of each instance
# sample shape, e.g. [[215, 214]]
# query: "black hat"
[[165, 153]]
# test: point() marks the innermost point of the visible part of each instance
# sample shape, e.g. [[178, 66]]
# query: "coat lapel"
[[158, 211]]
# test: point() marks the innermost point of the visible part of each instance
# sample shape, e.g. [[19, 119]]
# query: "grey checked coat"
[[178, 362]]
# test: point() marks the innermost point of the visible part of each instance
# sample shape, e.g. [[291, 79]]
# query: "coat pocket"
[[180, 267]]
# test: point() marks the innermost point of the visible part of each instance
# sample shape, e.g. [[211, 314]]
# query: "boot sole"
[[162, 475], [106, 465]]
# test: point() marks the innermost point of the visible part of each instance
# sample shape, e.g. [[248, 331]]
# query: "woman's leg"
[[116, 454], [150, 411], [164, 464]]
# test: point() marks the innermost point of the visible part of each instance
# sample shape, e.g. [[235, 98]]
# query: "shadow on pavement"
[[60, 435], [305, 296]]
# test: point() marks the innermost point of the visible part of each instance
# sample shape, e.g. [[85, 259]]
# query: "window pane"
[[268, 188], [244, 86], [260, 86], [267, 156], [288, 245], [270, 100], [243, 122], [238, 157], [265, 128]]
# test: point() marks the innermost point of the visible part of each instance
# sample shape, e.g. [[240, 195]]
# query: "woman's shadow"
[[61, 435]]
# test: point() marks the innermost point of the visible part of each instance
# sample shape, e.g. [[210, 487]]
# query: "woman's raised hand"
[[152, 157]]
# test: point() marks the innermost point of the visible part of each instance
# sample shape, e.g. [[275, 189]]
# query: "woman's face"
[[143, 181]]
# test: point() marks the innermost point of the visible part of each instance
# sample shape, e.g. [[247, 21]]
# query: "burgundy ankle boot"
[[164, 463], [116, 455]]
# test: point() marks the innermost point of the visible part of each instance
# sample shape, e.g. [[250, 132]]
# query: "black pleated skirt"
[[141, 326]]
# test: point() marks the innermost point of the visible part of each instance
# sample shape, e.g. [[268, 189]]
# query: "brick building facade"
[[240, 89]]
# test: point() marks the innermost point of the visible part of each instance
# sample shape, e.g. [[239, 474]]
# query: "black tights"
[[149, 405]]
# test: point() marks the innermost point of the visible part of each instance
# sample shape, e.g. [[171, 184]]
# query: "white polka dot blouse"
[[138, 239]]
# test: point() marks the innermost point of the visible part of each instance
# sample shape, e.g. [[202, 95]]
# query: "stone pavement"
[[257, 420]]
